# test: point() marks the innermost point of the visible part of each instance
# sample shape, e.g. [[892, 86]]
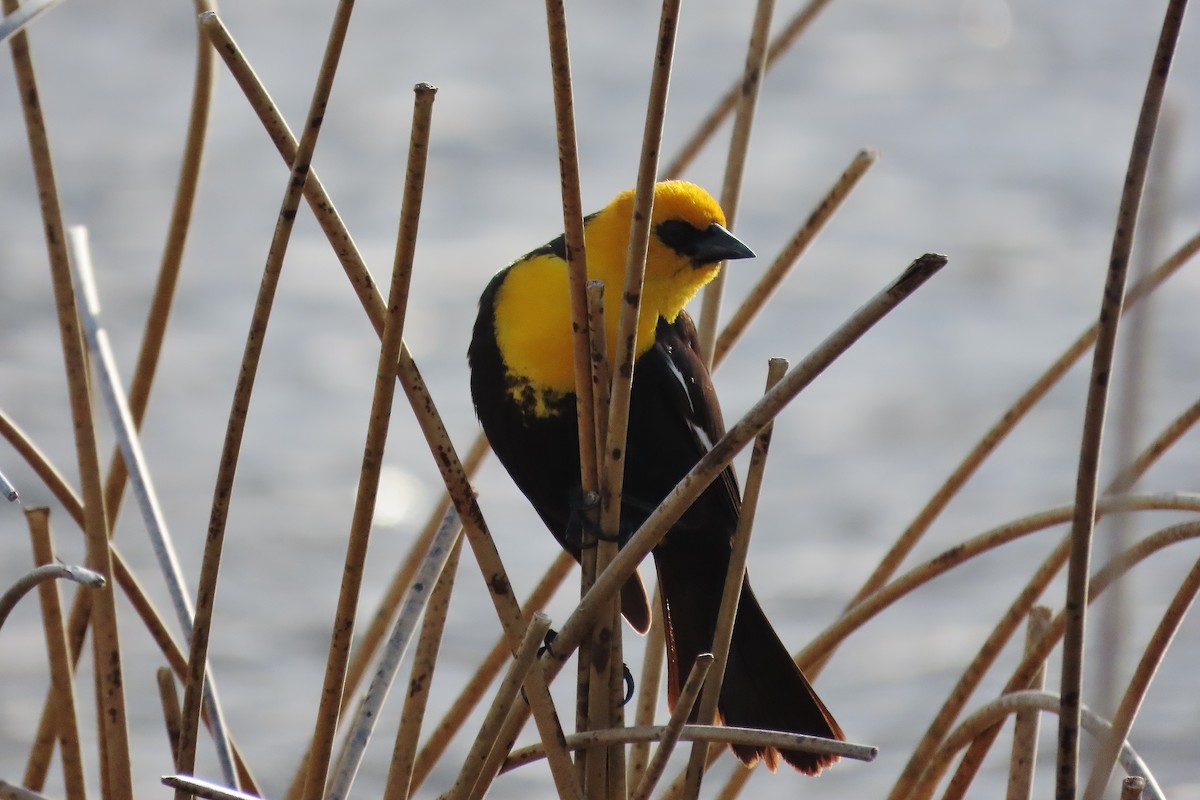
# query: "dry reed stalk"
[[593, 690], [586, 409], [605, 627], [1166, 438], [1133, 391], [1087, 481], [572, 204], [58, 653], [378, 426], [732, 591], [714, 734], [404, 751], [648, 685], [1026, 723], [106, 646], [674, 727], [601, 373], [37, 766], [993, 714], [473, 690], [1031, 662], [37, 461], [7, 490], [773, 276], [918, 762], [735, 164], [1132, 787], [227, 467], [473, 769], [797, 25], [589, 412], [601, 386], [100, 349], [1135, 693], [168, 696]]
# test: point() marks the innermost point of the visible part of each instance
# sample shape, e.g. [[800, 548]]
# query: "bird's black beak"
[[718, 244]]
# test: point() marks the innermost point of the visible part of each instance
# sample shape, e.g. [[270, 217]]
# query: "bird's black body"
[[674, 419]]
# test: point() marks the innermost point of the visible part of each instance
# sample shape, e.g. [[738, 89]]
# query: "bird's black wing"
[[674, 420]]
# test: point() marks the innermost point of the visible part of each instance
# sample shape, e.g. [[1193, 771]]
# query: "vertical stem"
[[613, 458], [1114, 612], [1079, 562], [600, 382], [568, 164], [648, 685], [735, 163], [373, 450], [1026, 723], [168, 696], [732, 590], [62, 684]]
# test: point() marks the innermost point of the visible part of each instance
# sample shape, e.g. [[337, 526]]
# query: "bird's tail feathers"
[[763, 687]]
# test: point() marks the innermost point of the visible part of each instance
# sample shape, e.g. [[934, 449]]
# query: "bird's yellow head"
[[688, 242]]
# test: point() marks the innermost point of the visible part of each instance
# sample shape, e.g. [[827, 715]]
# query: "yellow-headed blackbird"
[[523, 386]]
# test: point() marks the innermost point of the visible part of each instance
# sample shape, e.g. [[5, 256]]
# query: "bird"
[[523, 388]]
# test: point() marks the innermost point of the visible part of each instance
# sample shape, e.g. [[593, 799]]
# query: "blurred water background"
[[1003, 128]]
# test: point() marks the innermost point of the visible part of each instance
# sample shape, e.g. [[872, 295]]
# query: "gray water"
[[1003, 128]]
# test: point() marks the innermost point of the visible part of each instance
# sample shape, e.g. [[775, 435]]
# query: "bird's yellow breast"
[[533, 330]]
